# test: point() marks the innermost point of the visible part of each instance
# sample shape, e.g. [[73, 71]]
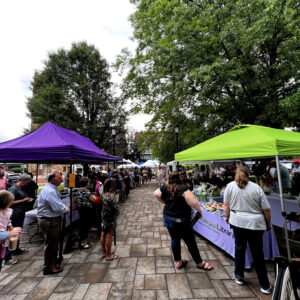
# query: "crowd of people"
[[264, 173], [98, 195]]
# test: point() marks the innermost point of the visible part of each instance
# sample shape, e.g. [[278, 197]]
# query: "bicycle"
[[287, 272]]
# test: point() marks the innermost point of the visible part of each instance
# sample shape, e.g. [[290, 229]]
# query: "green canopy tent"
[[248, 141], [245, 141]]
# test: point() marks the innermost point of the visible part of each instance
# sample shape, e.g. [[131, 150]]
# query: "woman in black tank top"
[[178, 200]]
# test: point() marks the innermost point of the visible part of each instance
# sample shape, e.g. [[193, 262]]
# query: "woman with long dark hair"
[[178, 201], [110, 213], [248, 212]]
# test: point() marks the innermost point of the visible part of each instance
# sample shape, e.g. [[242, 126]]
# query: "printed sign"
[[72, 180]]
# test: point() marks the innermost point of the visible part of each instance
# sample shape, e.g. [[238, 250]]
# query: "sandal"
[[103, 256], [206, 266], [112, 258], [183, 264], [86, 246]]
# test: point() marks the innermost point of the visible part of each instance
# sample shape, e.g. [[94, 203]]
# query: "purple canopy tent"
[[52, 143]]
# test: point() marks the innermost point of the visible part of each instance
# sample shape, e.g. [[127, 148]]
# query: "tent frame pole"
[[69, 244], [71, 206], [37, 173], [283, 212]]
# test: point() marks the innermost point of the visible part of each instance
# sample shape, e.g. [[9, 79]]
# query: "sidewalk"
[[144, 269]]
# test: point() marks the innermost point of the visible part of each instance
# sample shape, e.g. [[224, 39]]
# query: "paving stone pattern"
[[144, 270]]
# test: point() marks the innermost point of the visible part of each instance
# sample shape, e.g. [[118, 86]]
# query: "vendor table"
[[214, 228], [290, 206], [274, 201], [216, 198], [31, 215]]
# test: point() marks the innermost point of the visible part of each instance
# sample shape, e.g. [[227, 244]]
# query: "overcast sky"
[[32, 28]]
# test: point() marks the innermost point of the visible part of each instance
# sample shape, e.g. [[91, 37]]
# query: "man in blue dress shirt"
[[50, 210]]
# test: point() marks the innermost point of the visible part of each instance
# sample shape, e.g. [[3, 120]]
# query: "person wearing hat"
[[18, 206]]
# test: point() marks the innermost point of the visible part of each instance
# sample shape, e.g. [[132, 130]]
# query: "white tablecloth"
[[31, 215]]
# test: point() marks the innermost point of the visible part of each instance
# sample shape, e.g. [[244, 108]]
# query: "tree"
[[74, 91], [292, 106], [211, 64], [133, 152]]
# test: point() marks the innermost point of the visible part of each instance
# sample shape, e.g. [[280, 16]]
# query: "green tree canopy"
[[74, 91], [208, 65]]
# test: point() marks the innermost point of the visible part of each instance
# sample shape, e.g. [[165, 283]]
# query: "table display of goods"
[[214, 206], [201, 193], [213, 191]]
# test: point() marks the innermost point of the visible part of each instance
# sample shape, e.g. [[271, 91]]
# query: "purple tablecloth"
[[31, 216], [214, 228], [290, 206]]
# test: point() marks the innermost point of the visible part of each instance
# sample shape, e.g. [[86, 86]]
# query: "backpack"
[[110, 213]]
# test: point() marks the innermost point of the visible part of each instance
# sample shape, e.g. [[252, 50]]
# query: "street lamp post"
[[176, 134], [113, 132]]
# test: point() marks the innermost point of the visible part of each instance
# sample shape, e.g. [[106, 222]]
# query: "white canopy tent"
[[126, 161], [173, 164], [150, 163], [127, 164]]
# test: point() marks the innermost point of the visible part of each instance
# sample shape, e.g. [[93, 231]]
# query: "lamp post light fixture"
[[113, 132], [176, 129]]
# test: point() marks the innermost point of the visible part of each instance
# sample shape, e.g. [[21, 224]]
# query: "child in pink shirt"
[[5, 213], [3, 181]]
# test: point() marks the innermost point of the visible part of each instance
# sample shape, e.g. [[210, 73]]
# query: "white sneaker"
[[266, 291], [11, 262], [239, 280]]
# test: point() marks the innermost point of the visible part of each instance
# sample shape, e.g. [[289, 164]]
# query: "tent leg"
[[61, 243], [71, 208], [283, 209], [37, 173], [71, 238]]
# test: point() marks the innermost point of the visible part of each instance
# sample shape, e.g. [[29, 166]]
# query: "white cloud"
[[137, 122], [32, 28]]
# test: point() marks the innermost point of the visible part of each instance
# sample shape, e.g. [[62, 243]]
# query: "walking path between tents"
[[144, 269]]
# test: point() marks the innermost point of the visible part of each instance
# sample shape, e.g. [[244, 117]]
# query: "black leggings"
[[86, 217], [182, 230]]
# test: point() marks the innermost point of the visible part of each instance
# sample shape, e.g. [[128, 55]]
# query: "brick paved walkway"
[[144, 269]]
